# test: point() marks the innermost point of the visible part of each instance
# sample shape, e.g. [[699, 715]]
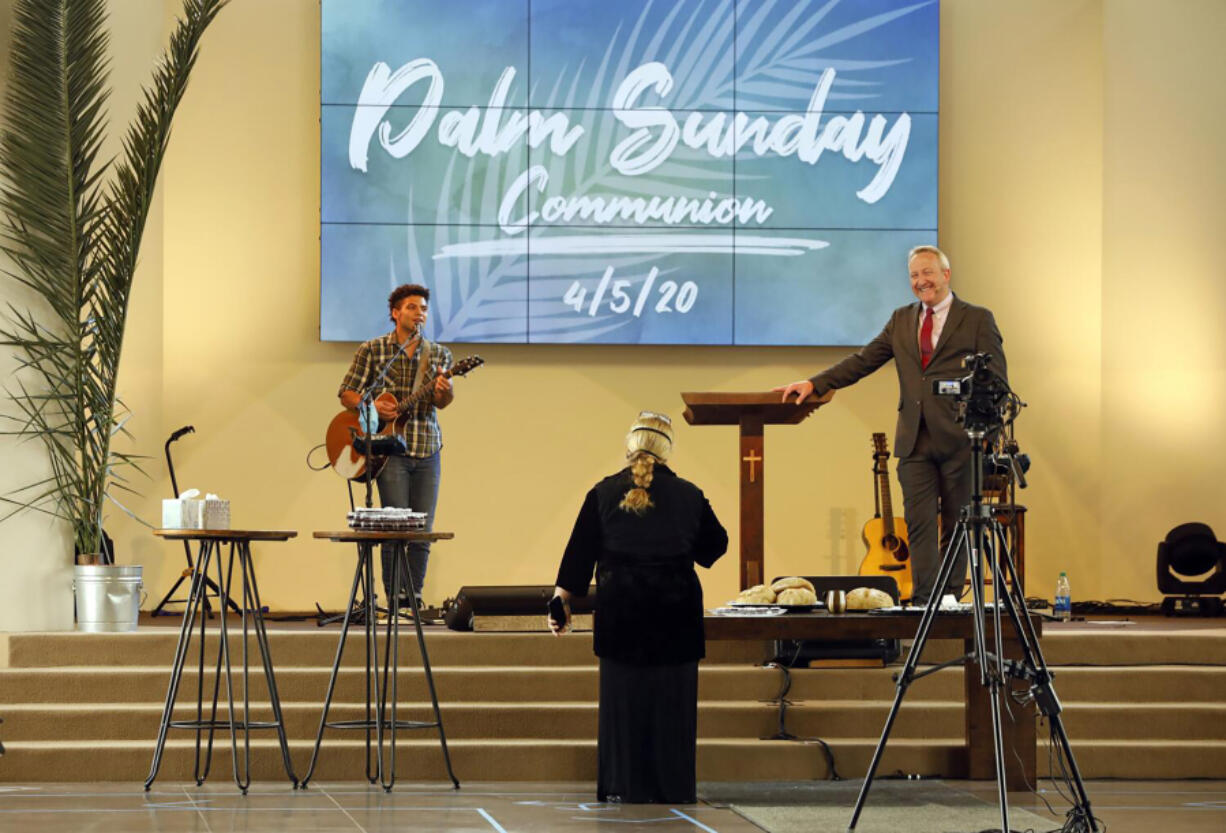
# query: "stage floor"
[[1126, 807]]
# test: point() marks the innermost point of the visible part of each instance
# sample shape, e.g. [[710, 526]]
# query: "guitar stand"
[[209, 584], [987, 548]]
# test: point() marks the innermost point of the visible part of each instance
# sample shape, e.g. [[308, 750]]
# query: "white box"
[[183, 513], [215, 514]]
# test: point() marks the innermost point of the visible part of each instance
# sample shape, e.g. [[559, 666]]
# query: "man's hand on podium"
[[802, 389]]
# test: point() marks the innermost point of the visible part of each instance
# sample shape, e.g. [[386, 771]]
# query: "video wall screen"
[[683, 172]]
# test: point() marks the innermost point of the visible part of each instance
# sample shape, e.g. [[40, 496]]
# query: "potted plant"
[[70, 230]]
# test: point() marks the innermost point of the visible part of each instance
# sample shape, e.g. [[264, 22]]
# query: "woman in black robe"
[[642, 530]]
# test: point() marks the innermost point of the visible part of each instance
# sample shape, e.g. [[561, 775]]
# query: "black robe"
[[649, 600], [649, 634]]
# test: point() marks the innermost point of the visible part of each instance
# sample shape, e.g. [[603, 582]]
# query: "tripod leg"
[[977, 603], [1042, 690], [908, 670], [991, 666], [998, 743]]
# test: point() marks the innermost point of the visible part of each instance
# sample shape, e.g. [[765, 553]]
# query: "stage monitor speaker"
[[506, 600]]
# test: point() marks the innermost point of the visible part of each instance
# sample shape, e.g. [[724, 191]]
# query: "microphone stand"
[[187, 550], [366, 419]]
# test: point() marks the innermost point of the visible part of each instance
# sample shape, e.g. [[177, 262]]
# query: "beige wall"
[[1049, 171], [1164, 348]]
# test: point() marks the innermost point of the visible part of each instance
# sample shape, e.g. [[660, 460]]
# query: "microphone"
[[186, 429]]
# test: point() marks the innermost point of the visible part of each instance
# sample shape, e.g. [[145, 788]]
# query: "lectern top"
[[728, 408]]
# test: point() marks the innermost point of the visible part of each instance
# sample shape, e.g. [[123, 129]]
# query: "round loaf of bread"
[[868, 598], [797, 596], [793, 581], [759, 594]]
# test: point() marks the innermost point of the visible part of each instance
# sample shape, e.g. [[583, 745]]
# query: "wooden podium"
[[751, 411]]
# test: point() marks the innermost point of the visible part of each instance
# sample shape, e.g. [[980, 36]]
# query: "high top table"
[[978, 763], [211, 542], [381, 766]]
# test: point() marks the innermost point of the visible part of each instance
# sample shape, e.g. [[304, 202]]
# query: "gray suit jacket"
[[968, 329]]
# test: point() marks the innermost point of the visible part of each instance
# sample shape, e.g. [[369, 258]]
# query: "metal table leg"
[[252, 619], [176, 672], [425, 663], [252, 599], [359, 580], [382, 691]]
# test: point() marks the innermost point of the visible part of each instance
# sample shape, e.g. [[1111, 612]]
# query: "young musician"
[[409, 479]]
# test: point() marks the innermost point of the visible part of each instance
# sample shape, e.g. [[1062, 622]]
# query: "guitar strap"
[[423, 351]]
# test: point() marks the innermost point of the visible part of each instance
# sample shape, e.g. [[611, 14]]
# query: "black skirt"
[[648, 733]]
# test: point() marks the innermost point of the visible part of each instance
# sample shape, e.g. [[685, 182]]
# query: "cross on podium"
[[753, 457], [752, 412]]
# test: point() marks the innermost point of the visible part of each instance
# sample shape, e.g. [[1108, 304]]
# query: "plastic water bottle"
[[1064, 601]]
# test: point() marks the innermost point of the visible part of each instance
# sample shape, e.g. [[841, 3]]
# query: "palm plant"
[[71, 227]]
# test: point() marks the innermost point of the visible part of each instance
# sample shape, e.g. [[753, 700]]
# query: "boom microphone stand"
[[365, 443], [981, 535], [187, 550]]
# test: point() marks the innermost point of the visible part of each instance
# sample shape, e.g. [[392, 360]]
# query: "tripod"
[[983, 539]]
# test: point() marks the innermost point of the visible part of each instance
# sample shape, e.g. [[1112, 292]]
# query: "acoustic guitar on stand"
[[346, 427], [885, 535]]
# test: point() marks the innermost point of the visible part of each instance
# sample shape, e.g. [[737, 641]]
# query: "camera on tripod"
[[983, 396]]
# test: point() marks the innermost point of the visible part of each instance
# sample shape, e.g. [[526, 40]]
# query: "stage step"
[[516, 706]]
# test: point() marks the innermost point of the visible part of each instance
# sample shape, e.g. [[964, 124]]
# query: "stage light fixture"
[[1192, 571]]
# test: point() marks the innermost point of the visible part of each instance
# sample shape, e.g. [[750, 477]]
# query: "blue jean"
[[410, 482]]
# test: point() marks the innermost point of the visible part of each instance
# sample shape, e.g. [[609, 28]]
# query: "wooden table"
[[381, 692], [210, 542], [980, 762]]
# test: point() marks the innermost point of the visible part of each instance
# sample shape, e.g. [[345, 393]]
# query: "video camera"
[[985, 402]]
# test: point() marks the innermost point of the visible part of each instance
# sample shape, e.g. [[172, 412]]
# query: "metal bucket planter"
[[108, 597]]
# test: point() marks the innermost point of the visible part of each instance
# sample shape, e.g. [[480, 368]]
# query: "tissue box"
[[184, 513], [215, 514]]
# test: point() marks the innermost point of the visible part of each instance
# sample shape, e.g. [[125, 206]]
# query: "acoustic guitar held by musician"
[[885, 535], [346, 456]]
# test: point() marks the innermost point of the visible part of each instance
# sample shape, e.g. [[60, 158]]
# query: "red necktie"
[[926, 338]]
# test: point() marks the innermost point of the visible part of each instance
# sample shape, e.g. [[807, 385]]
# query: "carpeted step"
[[1079, 644], [527, 683], [420, 759], [315, 648], [457, 684], [564, 720], [1144, 759]]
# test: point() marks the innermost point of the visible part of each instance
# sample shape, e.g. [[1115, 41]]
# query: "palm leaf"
[[72, 227]]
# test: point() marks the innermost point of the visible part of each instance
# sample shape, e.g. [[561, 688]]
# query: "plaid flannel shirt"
[[422, 434]]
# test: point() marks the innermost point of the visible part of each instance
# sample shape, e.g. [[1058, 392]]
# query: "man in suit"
[[927, 341]]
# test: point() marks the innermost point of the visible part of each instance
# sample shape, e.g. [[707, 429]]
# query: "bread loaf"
[[868, 598], [797, 596], [759, 594], [791, 582]]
